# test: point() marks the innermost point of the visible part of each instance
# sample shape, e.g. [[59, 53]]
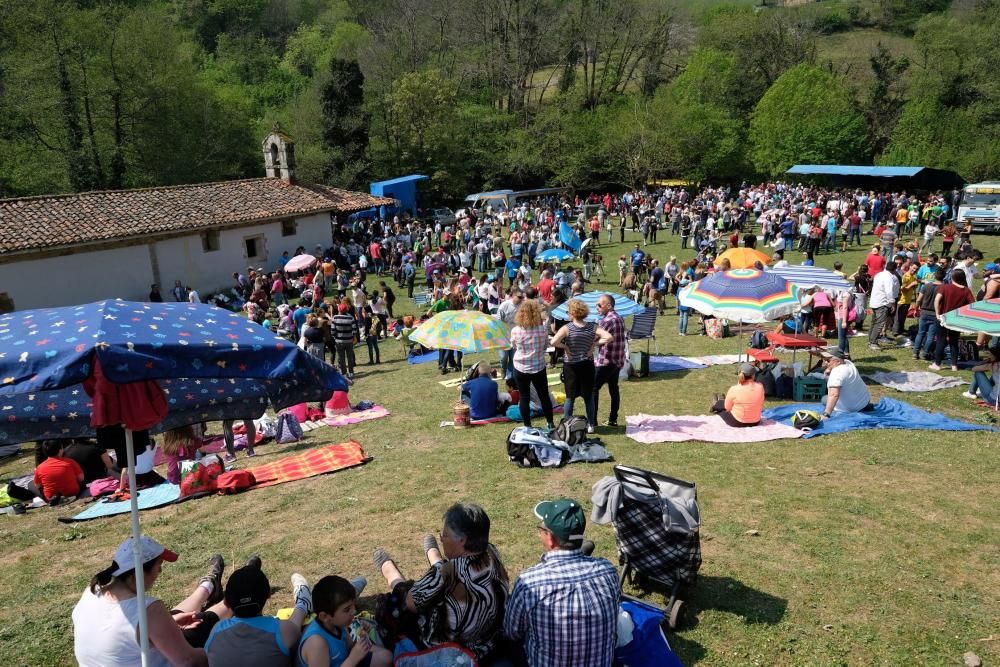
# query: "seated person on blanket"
[[846, 391], [327, 640], [95, 462], [57, 477], [986, 378], [481, 393], [105, 620], [460, 599], [145, 476], [179, 444], [744, 400], [248, 637]]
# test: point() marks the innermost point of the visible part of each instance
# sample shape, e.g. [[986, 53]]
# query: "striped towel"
[[310, 463]]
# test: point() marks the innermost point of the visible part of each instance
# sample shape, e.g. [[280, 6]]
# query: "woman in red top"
[[948, 298]]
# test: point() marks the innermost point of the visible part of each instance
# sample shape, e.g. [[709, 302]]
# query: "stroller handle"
[[648, 477]]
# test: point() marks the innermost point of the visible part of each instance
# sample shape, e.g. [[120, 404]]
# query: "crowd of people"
[[562, 611]]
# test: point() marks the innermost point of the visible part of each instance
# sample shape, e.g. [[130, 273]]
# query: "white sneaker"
[[590, 428], [934, 367], [302, 593], [908, 343], [969, 394]]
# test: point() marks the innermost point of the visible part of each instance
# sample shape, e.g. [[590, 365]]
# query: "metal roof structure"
[[913, 178]]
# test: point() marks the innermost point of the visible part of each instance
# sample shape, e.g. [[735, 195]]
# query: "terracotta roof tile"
[[37, 223]]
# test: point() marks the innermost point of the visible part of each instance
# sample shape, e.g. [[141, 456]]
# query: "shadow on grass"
[[732, 596]]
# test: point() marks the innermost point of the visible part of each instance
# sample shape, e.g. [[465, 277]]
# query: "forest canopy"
[[481, 94]]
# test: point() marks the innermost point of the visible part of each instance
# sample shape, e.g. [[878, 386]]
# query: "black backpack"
[[758, 340], [571, 430]]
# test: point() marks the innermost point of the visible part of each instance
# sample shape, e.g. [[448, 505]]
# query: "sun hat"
[[564, 518], [125, 559]]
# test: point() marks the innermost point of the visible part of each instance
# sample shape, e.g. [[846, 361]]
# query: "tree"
[[345, 124], [806, 116], [885, 97]]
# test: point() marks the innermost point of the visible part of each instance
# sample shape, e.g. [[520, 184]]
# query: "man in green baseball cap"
[[564, 609], [564, 519]]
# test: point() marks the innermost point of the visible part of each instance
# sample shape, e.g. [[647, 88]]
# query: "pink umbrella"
[[300, 263]]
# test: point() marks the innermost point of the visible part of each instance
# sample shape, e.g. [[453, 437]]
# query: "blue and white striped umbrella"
[[624, 306], [555, 255], [807, 277]]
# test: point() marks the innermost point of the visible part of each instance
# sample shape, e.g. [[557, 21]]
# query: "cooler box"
[[807, 389]]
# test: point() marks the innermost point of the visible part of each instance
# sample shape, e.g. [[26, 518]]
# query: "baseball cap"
[[247, 591], [748, 370], [125, 559], [564, 518], [992, 267], [833, 353]]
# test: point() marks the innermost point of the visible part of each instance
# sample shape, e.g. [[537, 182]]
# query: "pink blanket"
[[710, 428], [357, 416]]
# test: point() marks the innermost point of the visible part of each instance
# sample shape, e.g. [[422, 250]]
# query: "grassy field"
[[866, 548]]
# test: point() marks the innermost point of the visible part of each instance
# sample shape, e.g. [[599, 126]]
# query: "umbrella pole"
[[140, 579]]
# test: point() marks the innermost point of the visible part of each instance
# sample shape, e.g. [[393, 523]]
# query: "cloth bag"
[[289, 429]]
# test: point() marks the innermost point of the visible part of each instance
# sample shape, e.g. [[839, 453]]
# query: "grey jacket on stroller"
[[656, 521]]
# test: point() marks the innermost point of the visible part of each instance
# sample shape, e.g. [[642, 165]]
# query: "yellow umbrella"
[[743, 258]]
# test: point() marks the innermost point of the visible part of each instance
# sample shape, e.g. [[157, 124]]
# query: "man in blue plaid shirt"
[[565, 609]]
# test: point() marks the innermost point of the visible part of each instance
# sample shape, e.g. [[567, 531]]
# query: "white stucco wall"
[[127, 272], [78, 278]]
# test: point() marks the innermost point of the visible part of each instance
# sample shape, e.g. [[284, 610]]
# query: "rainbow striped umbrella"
[[742, 295], [977, 317], [467, 331]]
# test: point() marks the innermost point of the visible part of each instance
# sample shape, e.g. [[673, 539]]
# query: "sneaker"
[[359, 584], [874, 347], [590, 428], [302, 593], [250, 452], [380, 557], [229, 458], [254, 562], [934, 367], [216, 566], [954, 368], [969, 394], [908, 343], [610, 424]]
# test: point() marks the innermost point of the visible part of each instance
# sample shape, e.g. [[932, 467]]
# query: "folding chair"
[[643, 325], [422, 299]]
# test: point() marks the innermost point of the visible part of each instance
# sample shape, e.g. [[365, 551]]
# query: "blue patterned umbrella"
[[624, 306], [555, 255], [120, 346]]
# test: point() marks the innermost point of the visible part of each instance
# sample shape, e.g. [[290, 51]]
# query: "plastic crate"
[[808, 389]]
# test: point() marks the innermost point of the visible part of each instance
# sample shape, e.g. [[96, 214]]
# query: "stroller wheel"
[[675, 614]]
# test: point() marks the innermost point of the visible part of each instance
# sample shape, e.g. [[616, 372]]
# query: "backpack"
[[661, 284], [266, 426], [234, 481], [200, 477], [288, 429], [758, 340], [783, 386], [571, 430]]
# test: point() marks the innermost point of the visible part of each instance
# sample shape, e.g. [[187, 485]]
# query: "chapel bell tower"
[[279, 155]]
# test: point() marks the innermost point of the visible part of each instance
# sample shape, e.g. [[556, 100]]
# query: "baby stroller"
[[656, 521]]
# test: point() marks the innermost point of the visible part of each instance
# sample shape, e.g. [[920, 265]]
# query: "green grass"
[[873, 548]]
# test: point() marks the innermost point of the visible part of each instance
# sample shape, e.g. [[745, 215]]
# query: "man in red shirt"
[[545, 286], [57, 476], [875, 261], [948, 298]]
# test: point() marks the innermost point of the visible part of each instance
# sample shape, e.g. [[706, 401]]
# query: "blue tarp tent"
[[894, 178], [402, 189]]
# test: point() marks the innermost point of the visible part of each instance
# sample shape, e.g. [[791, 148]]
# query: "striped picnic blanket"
[[312, 462]]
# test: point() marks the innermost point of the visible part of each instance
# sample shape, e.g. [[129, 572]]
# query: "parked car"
[[443, 215]]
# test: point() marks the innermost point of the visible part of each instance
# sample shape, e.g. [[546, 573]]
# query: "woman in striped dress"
[[579, 338]]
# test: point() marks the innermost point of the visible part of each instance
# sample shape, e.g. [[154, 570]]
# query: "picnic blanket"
[[888, 413], [422, 358], [669, 363], [154, 496], [709, 428], [716, 359], [916, 380], [309, 463], [553, 379], [312, 462], [357, 416]]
